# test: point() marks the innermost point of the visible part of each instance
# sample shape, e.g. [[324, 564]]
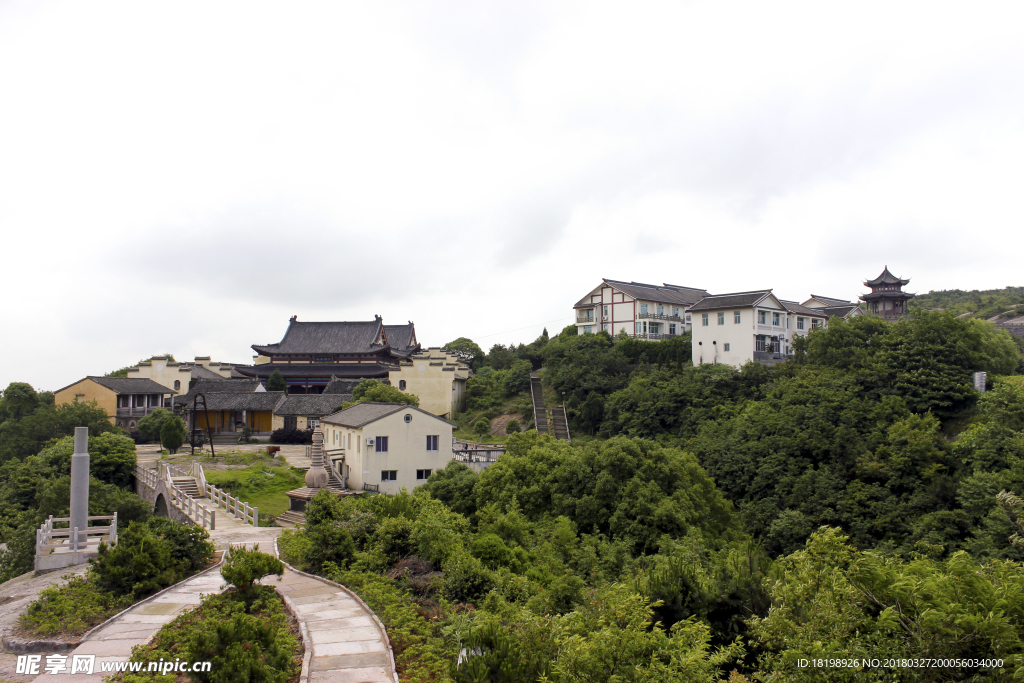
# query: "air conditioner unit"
[[369, 441]]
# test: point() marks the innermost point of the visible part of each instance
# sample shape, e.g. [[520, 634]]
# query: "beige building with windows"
[[387, 446], [178, 376], [652, 312], [438, 378]]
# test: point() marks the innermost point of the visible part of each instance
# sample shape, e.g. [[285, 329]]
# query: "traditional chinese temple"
[[311, 353], [887, 298]]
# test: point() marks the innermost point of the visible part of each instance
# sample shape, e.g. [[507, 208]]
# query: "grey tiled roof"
[[209, 387], [669, 294], [794, 307], [735, 300], [838, 311], [199, 372], [401, 338], [338, 385], [831, 300], [264, 400], [363, 414], [311, 404], [131, 385]]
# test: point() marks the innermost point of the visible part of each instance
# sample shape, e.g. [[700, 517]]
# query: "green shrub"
[[140, 564], [513, 427], [71, 608], [172, 434], [191, 544], [482, 427], [150, 425], [493, 552], [465, 578], [245, 567], [244, 640], [394, 538]]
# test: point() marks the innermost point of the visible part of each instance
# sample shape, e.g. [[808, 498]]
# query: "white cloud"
[[184, 178]]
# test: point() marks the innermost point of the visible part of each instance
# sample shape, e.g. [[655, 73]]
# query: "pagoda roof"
[[872, 296], [886, 278], [343, 337]]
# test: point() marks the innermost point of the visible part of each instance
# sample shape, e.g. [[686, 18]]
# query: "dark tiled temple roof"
[[130, 385], [363, 414], [311, 404], [886, 278], [735, 300], [345, 337], [199, 372], [209, 387], [341, 370], [665, 293]]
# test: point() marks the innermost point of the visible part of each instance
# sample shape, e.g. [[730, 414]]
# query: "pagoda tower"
[[887, 299]]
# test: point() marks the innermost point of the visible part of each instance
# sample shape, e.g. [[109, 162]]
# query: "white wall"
[[407, 449]]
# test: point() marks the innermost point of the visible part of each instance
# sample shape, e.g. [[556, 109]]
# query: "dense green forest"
[[706, 523], [983, 304]]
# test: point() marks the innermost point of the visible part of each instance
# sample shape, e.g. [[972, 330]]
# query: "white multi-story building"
[[737, 328], [651, 312]]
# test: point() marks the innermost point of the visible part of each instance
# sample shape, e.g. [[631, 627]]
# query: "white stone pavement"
[[344, 641]]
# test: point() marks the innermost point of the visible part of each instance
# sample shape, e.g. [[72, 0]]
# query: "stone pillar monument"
[[80, 483], [316, 477]]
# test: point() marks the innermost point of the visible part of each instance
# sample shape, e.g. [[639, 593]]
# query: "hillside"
[[984, 304]]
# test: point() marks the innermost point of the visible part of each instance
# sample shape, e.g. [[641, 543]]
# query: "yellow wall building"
[[125, 400]]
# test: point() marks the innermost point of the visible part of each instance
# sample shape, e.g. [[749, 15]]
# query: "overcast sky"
[[183, 177]]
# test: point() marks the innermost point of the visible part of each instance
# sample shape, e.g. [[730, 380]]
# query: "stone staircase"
[[560, 423], [188, 485], [290, 518], [540, 413]]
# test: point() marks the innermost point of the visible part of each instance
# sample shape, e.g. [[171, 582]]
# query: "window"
[[721, 317], [775, 319], [380, 444], [423, 474], [605, 311], [588, 329], [432, 443], [655, 328], [704, 319], [401, 385], [389, 475], [312, 422], [321, 359], [815, 323], [638, 328], [675, 311], [605, 327], [736, 317], [408, 418], [725, 347], [349, 440], [177, 385], [79, 398], [762, 317], [291, 423], [661, 310], [671, 328], [643, 309], [759, 343], [122, 402], [799, 323]]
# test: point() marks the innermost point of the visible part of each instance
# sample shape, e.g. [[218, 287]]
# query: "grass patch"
[[244, 640], [229, 458], [259, 485], [72, 608]]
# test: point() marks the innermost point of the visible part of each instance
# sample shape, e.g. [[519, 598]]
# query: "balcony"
[[661, 316], [653, 336], [135, 412], [585, 319]]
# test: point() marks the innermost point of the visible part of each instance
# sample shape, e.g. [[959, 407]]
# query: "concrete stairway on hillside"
[[560, 423], [540, 414], [290, 518]]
